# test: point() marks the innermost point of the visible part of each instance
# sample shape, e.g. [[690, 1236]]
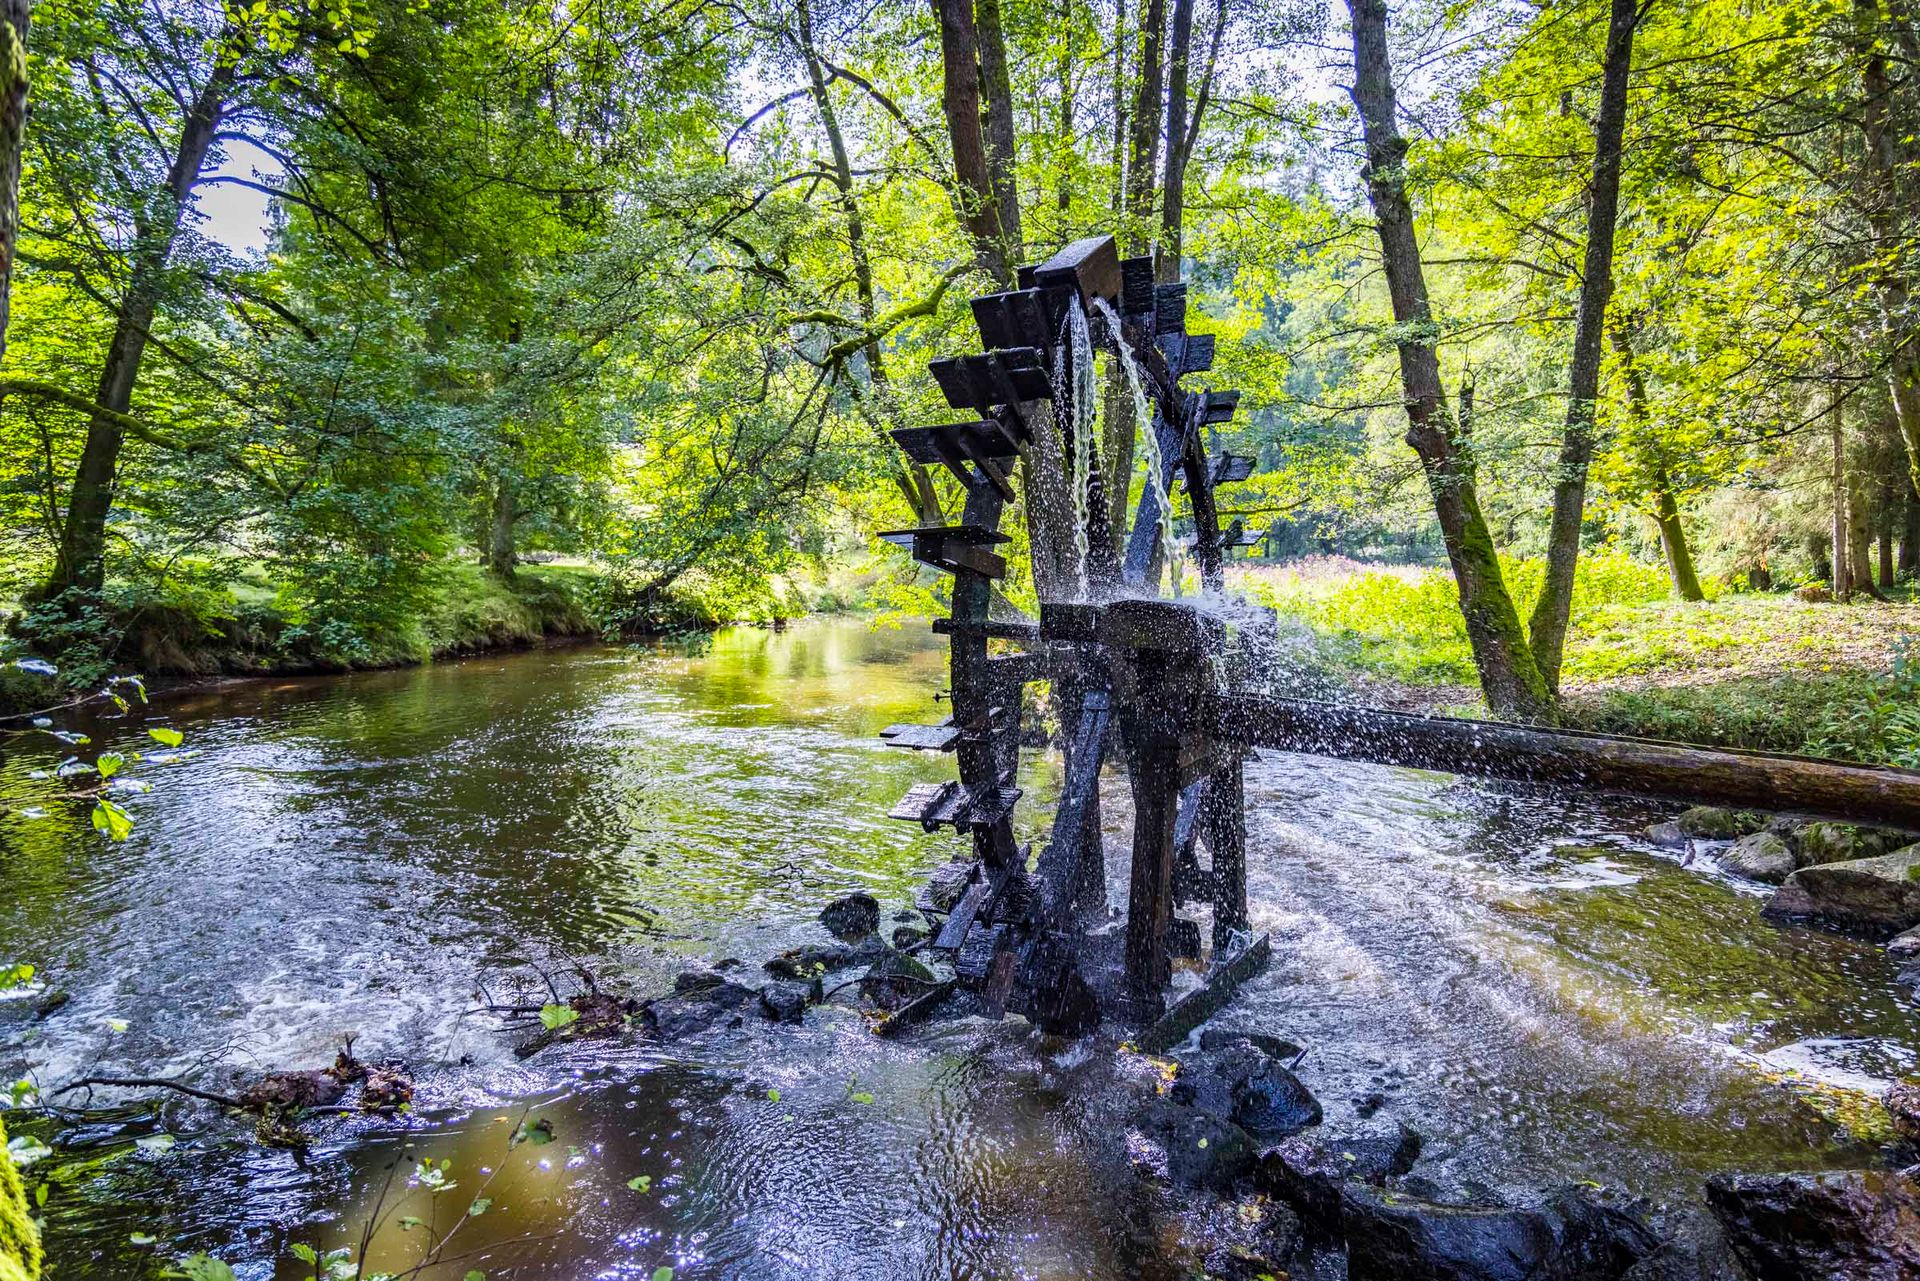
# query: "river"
[[1538, 992]]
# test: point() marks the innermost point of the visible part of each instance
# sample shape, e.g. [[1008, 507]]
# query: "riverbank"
[[1750, 670]]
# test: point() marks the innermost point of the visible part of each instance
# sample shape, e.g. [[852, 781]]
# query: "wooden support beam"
[[1226, 826], [1201, 1004], [1156, 802], [1649, 767]]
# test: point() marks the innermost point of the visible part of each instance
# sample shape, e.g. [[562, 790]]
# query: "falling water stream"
[[1516, 975], [1157, 483]]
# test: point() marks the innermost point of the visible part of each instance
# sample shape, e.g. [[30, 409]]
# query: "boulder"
[[907, 936], [1571, 1235], [852, 918], [1878, 897], [1760, 857], [387, 1090], [293, 1091], [1244, 1084], [1857, 1225], [1711, 823], [1819, 843], [1309, 1171], [809, 963], [1667, 836], [698, 1007], [1906, 943], [1194, 1147], [1902, 1102]]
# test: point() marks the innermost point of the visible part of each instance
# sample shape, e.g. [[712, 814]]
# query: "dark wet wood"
[[1599, 761], [1196, 1007]]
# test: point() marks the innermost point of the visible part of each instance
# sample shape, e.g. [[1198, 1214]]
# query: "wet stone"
[[1195, 1148], [1667, 836], [1244, 1084], [1877, 897], [1214, 1039], [806, 963], [895, 978], [1570, 1235], [1760, 857], [852, 918], [1308, 1171], [1712, 823], [787, 1001], [906, 936], [695, 1010], [1861, 1225]]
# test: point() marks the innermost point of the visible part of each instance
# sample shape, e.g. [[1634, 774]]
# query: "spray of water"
[[1086, 413], [1143, 417]]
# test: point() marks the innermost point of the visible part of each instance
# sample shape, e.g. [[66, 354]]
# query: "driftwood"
[[1607, 762]]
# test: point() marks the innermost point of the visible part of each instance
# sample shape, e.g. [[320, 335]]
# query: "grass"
[[1739, 670]]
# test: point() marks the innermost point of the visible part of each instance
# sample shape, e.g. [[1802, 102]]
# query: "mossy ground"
[[1755, 670], [19, 1239]]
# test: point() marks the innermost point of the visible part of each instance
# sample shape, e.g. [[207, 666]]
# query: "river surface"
[[1542, 996]]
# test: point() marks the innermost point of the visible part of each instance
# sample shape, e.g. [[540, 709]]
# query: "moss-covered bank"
[[19, 1239]]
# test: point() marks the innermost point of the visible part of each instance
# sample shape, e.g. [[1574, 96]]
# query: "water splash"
[[1143, 416], [1086, 413]]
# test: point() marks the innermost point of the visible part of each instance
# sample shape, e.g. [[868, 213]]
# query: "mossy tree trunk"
[[1509, 676], [19, 1239], [14, 16], [1547, 630]]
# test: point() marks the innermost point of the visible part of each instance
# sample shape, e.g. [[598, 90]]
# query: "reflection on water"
[[1514, 976]]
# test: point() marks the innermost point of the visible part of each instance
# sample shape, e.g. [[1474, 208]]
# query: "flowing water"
[[1542, 996]]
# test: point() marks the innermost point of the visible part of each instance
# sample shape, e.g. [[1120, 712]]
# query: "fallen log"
[[1606, 762]]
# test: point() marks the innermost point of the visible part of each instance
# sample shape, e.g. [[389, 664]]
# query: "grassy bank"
[[1739, 670]]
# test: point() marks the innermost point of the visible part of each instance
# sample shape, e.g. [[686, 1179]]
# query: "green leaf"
[[305, 1253], [155, 1142], [142, 1238], [166, 737], [480, 1206], [109, 818], [116, 1025], [663, 1274], [539, 1133], [773, 1096], [475, 1275], [109, 763], [861, 1096], [640, 1182], [554, 1017], [199, 1267], [40, 1196]]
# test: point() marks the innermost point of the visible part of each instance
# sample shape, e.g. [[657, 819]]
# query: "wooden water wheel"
[[1134, 676]]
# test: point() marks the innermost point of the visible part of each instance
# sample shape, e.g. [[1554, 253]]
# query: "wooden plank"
[[1766, 780], [922, 444], [1170, 308], [1063, 860], [960, 923], [923, 738], [1231, 468], [1017, 318], [1201, 1004], [1090, 266], [1136, 286], [999, 629]]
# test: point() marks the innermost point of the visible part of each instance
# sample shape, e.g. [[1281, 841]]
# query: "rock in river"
[[1760, 857], [1711, 823], [1846, 1225], [1571, 1235], [1309, 1171], [1244, 1084], [852, 918], [1194, 1148], [1874, 896], [699, 1001]]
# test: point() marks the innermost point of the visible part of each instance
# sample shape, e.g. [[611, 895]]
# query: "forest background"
[[1577, 342]]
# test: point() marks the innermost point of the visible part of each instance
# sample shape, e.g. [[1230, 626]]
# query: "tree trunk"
[[1888, 153], [14, 20], [1063, 111], [1002, 154], [83, 542], [960, 101], [1547, 631], [1509, 677], [500, 522], [1172, 196], [1673, 542], [1143, 146], [1909, 533], [914, 481], [1860, 536], [1886, 555], [1120, 124], [1842, 573]]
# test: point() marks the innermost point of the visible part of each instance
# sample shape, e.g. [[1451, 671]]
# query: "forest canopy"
[[1522, 290]]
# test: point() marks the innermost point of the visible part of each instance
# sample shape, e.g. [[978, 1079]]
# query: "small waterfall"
[[1086, 414], [1143, 417]]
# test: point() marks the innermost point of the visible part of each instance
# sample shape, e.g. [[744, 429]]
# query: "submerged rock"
[[1214, 1039], [852, 918], [285, 1091], [1309, 1171], [1711, 823], [1874, 896], [1760, 857], [809, 963], [1194, 1147], [697, 1007], [387, 1090], [1571, 1235], [1860, 1225]]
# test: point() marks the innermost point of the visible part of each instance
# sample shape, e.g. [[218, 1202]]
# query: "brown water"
[[1544, 998]]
